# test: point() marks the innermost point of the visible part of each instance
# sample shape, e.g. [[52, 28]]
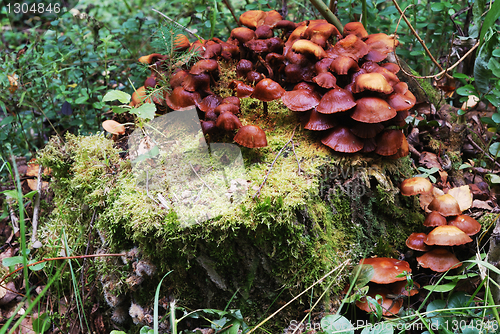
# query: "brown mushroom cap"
[[325, 80], [355, 28], [336, 100], [113, 127], [316, 121], [177, 79], [342, 64], [403, 151], [380, 45], [203, 66], [181, 98], [372, 81], [181, 43], [210, 102], [435, 219], [467, 224], [253, 18], [446, 205], [300, 100], [447, 235], [267, 90], [264, 32], [372, 110], [319, 31], [415, 185], [243, 34], [251, 136], [308, 48], [394, 68], [341, 139], [151, 58], [386, 269], [416, 242], [232, 100], [242, 90], [439, 260], [243, 67], [389, 306], [389, 142], [227, 107], [350, 46], [228, 121]]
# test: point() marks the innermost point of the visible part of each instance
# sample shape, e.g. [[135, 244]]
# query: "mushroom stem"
[[265, 109]]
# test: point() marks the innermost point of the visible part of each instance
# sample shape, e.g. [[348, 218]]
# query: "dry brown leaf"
[[429, 160], [32, 184], [477, 204], [463, 196]]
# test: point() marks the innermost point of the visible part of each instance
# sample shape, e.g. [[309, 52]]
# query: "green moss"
[[303, 223]]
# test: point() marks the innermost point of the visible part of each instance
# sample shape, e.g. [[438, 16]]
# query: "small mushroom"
[[341, 139], [439, 260], [416, 185], [251, 136], [446, 205], [416, 242], [447, 235], [228, 122], [113, 127], [435, 219], [372, 110], [467, 224]]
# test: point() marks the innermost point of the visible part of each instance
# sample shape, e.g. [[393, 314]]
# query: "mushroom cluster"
[[389, 282], [444, 215], [337, 81]]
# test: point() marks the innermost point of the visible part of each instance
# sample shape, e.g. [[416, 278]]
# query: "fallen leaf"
[[477, 204], [463, 196]]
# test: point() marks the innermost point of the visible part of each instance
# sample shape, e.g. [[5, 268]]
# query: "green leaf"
[[122, 332], [437, 6], [38, 266], [7, 120], [30, 194], [458, 299], [466, 90], [494, 66], [494, 99], [441, 288], [496, 118], [10, 193], [461, 112], [117, 95], [488, 120], [496, 52], [364, 274], [81, 99], [146, 330], [463, 166], [495, 149], [120, 110], [482, 75], [42, 323], [435, 313], [494, 178], [335, 322], [12, 261], [145, 111], [490, 19]]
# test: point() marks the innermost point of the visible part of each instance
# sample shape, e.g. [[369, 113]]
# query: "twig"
[[177, 24], [296, 157], [201, 179], [418, 38], [36, 208], [328, 14], [484, 152], [270, 168], [231, 9]]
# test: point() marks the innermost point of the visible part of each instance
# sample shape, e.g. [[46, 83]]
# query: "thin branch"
[[177, 24], [328, 14], [272, 165], [36, 209], [296, 157], [201, 179], [484, 152], [231, 9], [418, 37]]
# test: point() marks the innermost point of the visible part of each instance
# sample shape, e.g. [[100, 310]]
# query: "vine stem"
[[414, 32], [328, 14]]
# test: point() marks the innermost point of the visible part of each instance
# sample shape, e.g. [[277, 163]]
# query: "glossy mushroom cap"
[[243, 67], [355, 28], [325, 80], [467, 224], [300, 99], [319, 31], [251, 136], [389, 142], [447, 235], [415, 185], [372, 110], [372, 81], [386, 269], [242, 90], [308, 48], [113, 127], [390, 306], [336, 100], [439, 260], [316, 121], [267, 90], [208, 103], [228, 121], [341, 139], [181, 98], [446, 205], [243, 34], [416, 242], [204, 66], [366, 130], [435, 219]]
